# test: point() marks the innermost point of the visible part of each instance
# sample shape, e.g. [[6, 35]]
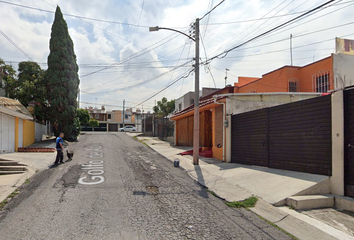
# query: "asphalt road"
[[117, 188]]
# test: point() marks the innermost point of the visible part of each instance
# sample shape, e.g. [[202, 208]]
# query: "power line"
[[131, 50], [145, 81], [252, 25], [16, 46], [287, 49], [245, 37], [300, 35], [189, 50], [153, 62], [108, 105], [212, 9], [138, 54], [211, 2], [178, 79], [178, 61], [318, 17], [269, 31], [72, 15], [207, 66], [265, 18]]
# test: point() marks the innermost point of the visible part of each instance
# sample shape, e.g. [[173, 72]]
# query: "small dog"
[[70, 155]]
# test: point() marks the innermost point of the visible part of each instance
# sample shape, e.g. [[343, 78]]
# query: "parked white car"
[[127, 129]]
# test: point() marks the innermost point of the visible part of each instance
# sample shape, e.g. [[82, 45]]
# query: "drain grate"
[[153, 190]]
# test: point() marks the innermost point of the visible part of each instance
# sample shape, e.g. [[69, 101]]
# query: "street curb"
[[300, 226]]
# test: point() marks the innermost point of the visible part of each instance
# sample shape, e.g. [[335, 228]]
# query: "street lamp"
[[196, 87]]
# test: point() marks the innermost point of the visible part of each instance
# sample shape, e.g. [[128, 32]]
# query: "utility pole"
[[196, 97], [196, 86], [226, 69], [144, 119], [291, 48], [123, 111], [153, 122]]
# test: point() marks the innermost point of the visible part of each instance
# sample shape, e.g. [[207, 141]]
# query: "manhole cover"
[[153, 189]]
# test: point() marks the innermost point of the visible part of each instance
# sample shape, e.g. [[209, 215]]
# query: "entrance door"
[[349, 142]]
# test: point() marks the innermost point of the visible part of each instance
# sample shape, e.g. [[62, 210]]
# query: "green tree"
[[31, 83], [83, 115], [32, 88], [9, 82], [62, 78], [164, 107], [93, 123]]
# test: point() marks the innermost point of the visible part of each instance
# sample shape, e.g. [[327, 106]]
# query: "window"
[[293, 85], [322, 83], [180, 107], [109, 116], [97, 116], [126, 116], [192, 101]]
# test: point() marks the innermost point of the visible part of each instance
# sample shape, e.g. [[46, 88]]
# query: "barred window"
[[322, 83]]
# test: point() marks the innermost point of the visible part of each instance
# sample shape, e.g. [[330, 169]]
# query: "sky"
[[119, 59]]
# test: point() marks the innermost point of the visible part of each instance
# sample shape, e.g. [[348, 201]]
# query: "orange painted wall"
[[118, 116], [28, 133], [307, 71], [217, 152], [277, 80], [244, 80]]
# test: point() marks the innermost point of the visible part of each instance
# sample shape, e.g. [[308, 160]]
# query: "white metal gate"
[[20, 133], [7, 133]]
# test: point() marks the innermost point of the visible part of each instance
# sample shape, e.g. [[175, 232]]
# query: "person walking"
[[60, 149]]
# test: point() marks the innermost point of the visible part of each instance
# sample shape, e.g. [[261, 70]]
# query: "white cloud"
[[101, 44]]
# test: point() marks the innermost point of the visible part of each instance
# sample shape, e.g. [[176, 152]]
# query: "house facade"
[[328, 74], [117, 119], [284, 85], [188, 99], [17, 128]]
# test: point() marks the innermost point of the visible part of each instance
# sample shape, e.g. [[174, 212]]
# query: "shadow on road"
[[203, 190]]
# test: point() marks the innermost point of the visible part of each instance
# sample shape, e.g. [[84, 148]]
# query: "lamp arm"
[[171, 29]]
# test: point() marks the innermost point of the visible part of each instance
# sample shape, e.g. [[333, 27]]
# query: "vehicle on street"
[[127, 129]]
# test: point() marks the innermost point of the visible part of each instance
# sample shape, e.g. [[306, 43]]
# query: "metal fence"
[[164, 129]]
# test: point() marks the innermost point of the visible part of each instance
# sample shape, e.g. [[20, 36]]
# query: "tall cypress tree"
[[62, 79]]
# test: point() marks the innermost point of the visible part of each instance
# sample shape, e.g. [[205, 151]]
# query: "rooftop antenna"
[[291, 48], [226, 70]]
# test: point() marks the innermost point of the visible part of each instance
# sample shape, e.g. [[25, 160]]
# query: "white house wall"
[[7, 133], [343, 71], [40, 130], [20, 133]]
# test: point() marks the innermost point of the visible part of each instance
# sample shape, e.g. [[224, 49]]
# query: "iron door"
[[349, 142]]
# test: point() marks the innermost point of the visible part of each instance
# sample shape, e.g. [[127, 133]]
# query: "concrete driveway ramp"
[[272, 185], [310, 202]]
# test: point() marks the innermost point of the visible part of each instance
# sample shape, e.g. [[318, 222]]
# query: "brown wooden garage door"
[[295, 136], [113, 127]]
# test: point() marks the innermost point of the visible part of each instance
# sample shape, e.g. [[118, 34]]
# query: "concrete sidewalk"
[[236, 182], [34, 162]]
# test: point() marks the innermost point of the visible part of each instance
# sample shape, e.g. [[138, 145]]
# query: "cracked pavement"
[[139, 195]]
